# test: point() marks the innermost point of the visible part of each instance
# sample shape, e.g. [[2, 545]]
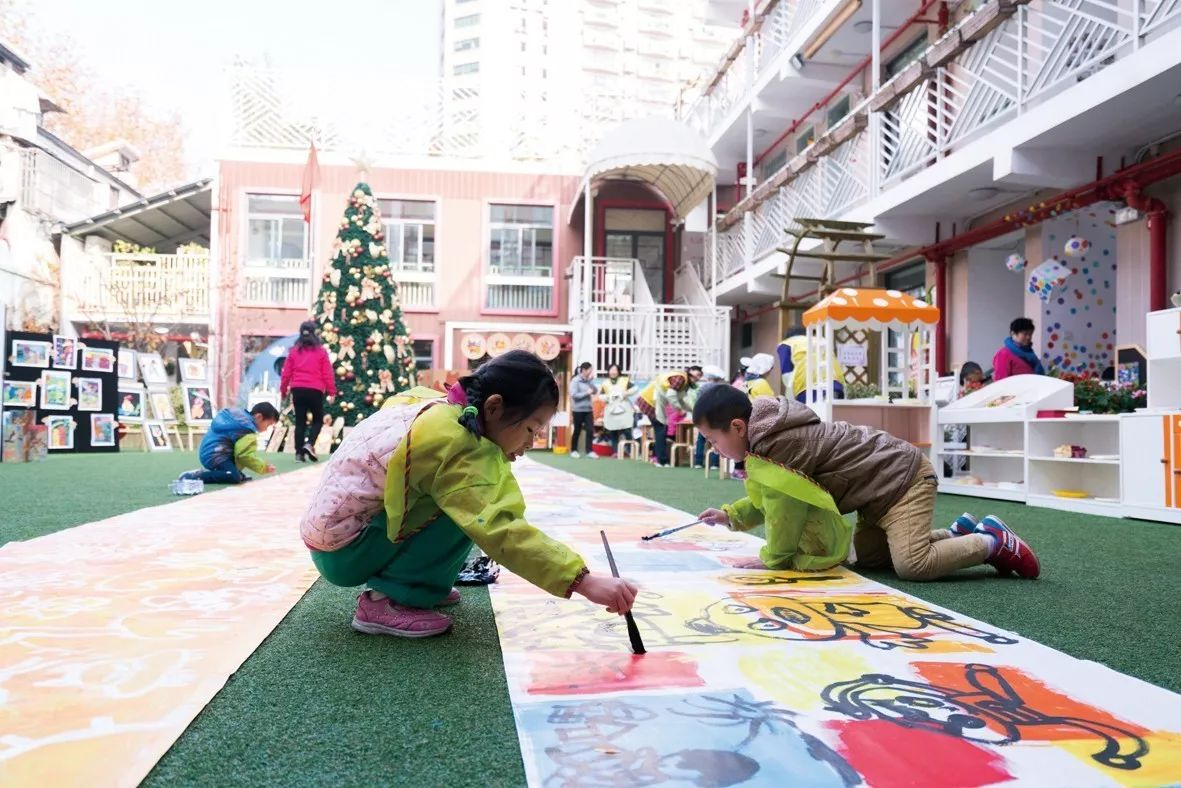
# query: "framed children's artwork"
[[61, 432], [152, 367], [65, 352], [20, 394], [193, 370], [102, 429], [126, 364], [30, 353], [55, 390], [97, 360], [198, 401], [90, 393], [156, 435], [161, 405], [131, 404]]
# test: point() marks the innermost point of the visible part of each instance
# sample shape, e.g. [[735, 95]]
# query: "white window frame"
[[274, 267], [521, 270], [395, 229]]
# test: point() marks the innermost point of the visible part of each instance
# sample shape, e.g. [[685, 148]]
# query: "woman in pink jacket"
[[307, 374]]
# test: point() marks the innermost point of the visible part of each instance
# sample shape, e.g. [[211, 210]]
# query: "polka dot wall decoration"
[[1080, 321]]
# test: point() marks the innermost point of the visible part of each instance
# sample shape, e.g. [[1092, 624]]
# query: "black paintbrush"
[[668, 531], [633, 632]]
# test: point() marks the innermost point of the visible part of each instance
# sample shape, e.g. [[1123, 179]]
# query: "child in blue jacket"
[[231, 445]]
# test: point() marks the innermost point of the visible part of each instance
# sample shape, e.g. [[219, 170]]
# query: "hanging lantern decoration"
[[1076, 246], [1046, 277], [1015, 262]]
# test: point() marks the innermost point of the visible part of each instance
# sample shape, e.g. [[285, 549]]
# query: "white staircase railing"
[[616, 322]]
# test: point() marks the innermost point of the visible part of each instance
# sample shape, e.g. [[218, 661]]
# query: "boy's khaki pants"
[[903, 537]]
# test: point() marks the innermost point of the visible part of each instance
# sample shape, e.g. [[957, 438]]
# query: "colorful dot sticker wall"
[[1079, 317]]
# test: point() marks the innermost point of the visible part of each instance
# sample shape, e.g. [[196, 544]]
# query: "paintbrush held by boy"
[[414, 485], [804, 475]]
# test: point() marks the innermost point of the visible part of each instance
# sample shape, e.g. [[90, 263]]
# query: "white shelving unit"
[[1098, 476], [997, 416], [1164, 359]]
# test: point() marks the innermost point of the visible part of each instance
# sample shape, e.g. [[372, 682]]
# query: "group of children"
[[414, 486]]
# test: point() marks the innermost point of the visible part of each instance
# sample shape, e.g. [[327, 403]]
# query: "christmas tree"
[[360, 317]]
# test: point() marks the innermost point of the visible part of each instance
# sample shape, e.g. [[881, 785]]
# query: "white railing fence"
[[416, 289], [928, 111], [138, 288], [777, 35], [615, 322], [280, 282]]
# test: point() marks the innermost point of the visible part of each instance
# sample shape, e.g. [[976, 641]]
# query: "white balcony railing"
[[519, 289], [993, 65], [138, 288], [616, 322], [277, 283], [731, 83], [416, 288]]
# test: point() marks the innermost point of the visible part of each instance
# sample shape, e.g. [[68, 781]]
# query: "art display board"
[[89, 388], [176, 598], [788, 678]]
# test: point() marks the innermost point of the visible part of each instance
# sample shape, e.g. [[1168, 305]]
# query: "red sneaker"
[[385, 617], [1012, 553]]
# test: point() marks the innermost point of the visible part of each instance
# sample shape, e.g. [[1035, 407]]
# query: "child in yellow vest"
[[675, 389]]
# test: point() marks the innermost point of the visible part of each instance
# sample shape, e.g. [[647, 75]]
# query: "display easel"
[[906, 367]]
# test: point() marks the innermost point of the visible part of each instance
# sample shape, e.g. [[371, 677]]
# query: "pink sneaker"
[[739, 475], [385, 617], [453, 598]]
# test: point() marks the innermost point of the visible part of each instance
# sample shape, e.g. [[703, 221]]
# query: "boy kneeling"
[[805, 474], [230, 446]]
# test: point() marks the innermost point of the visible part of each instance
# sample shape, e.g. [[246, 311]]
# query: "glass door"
[[648, 248]]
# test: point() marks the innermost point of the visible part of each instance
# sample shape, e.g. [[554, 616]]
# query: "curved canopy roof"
[[873, 308], [664, 153]]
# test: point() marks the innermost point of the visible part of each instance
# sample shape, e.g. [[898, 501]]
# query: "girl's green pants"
[[417, 572]]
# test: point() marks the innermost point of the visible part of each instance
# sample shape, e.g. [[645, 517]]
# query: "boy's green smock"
[[805, 530], [246, 454]]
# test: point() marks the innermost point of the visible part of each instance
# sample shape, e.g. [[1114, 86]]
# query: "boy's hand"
[[753, 562], [614, 593], [269, 469], [714, 517]]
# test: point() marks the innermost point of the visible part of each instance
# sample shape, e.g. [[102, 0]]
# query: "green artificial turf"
[[71, 489], [318, 704]]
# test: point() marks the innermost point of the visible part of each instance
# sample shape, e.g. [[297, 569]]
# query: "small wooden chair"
[[624, 445], [724, 465]]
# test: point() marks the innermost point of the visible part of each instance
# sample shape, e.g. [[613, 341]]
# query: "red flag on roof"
[[311, 179]]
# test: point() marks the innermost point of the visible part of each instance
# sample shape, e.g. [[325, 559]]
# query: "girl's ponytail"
[[469, 416]]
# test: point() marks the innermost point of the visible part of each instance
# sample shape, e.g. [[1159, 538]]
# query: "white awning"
[[664, 153]]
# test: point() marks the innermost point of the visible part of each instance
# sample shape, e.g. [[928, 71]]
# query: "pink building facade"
[[475, 252]]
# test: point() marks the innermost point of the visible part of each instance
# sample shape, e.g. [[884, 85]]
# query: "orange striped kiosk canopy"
[[872, 308]]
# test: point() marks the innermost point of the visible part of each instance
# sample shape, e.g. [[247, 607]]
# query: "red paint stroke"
[[625, 506], [660, 544], [1035, 695], [888, 754], [590, 673]]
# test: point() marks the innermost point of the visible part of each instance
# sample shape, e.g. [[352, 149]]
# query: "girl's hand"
[[613, 593], [714, 517]]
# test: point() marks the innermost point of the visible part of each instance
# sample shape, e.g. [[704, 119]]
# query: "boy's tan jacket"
[[866, 470]]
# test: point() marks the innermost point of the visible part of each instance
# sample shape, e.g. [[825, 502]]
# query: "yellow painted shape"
[[794, 678], [1161, 766]]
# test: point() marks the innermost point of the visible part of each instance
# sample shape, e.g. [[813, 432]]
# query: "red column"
[[941, 326], [1157, 246]]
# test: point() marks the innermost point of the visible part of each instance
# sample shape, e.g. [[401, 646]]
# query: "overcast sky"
[[173, 52]]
